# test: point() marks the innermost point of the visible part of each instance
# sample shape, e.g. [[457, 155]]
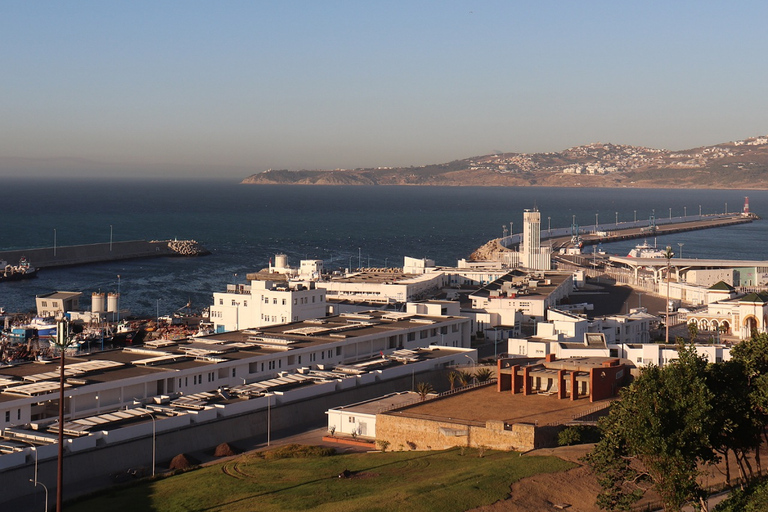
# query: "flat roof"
[[485, 403]]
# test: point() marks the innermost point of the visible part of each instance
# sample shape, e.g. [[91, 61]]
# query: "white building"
[[383, 287], [530, 294], [111, 380], [266, 303]]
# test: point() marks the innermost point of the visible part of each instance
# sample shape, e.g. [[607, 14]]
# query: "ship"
[[646, 251], [23, 270]]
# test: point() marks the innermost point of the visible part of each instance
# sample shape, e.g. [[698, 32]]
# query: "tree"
[[656, 435], [483, 374], [452, 377], [693, 330], [423, 389], [464, 377]]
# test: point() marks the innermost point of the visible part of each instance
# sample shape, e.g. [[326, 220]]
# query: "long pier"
[[614, 232], [71, 255]]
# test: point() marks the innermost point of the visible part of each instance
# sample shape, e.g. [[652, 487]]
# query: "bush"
[[578, 434], [297, 451]]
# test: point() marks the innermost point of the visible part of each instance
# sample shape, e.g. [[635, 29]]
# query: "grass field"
[[453, 480]]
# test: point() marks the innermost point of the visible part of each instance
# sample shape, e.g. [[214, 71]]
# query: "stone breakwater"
[[72, 255]]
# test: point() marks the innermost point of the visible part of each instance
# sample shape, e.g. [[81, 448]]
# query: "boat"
[[45, 326], [23, 270], [646, 251]]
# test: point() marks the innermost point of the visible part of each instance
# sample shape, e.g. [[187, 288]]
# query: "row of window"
[[8, 415]]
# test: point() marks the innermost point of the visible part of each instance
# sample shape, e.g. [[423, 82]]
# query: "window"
[[299, 359], [351, 419], [221, 302], [7, 416], [295, 302], [45, 303], [274, 300], [423, 334], [245, 303], [18, 411], [234, 303], [455, 328], [444, 329], [284, 302], [411, 336], [234, 372], [266, 300], [313, 298]]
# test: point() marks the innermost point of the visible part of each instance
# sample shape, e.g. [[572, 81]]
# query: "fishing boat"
[[23, 270]]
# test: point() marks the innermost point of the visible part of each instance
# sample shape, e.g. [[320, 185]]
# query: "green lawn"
[[440, 481]]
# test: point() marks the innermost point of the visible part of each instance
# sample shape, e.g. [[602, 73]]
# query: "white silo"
[[97, 302], [281, 261], [112, 302]]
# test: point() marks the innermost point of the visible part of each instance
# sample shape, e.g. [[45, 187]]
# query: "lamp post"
[[46, 492], [474, 363], [549, 226], [110, 238], [237, 316], [157, 312], [635, 215], [154, 440], [62, 342], [269, 417], [670, 213], [118, 298], [685, 212], [699, 210], [681, 244], [596, 221], [359, 257], [54, 242], [617, 219], [726, 208]]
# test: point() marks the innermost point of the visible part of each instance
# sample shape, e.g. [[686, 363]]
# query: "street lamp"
[[617, 219], [34, 448], [685, 211], [118, 298], [110, 238], [670, 213], [54, 242], [474, 363], [46, 492], [699, 210], [269, 417], [681, 244], [154, 435], [635, 215], [549, 225]]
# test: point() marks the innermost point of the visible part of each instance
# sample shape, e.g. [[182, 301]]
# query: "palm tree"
[[452, 377], [464, 377], [668, 254], [423, 389], [483, 374]]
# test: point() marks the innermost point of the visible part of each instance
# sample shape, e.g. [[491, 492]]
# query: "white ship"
[[646, 251]]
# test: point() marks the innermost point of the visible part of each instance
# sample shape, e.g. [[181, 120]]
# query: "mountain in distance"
[[731, 165]]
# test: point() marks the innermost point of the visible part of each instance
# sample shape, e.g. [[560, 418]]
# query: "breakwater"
[[613, 232], [71, 255]]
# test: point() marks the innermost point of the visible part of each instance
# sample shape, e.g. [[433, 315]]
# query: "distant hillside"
[[742, 164]]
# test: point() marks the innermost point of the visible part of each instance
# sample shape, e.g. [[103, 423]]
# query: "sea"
[[243, 226]]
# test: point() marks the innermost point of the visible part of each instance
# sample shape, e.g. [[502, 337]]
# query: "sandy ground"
[[575, 490]]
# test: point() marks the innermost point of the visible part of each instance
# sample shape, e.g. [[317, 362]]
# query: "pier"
[[614, 232], [71, 255]]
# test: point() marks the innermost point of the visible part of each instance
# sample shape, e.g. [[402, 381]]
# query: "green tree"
[[483, 374], [423, 389], [452, 377], [693, 330], [656, 435]]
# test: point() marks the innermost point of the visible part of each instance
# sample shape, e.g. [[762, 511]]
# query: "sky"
[[227, 89]]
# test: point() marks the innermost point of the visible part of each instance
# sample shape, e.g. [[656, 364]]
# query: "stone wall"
[[411, 433]]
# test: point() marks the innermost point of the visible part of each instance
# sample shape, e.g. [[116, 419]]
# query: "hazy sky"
[[231, 88]]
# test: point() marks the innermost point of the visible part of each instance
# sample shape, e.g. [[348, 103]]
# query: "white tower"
[[532, 254]]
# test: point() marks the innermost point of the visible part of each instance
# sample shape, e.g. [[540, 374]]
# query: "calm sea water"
[[243, 226]]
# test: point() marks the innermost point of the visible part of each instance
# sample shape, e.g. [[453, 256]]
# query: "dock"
[[616, 233], [72, 255]]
